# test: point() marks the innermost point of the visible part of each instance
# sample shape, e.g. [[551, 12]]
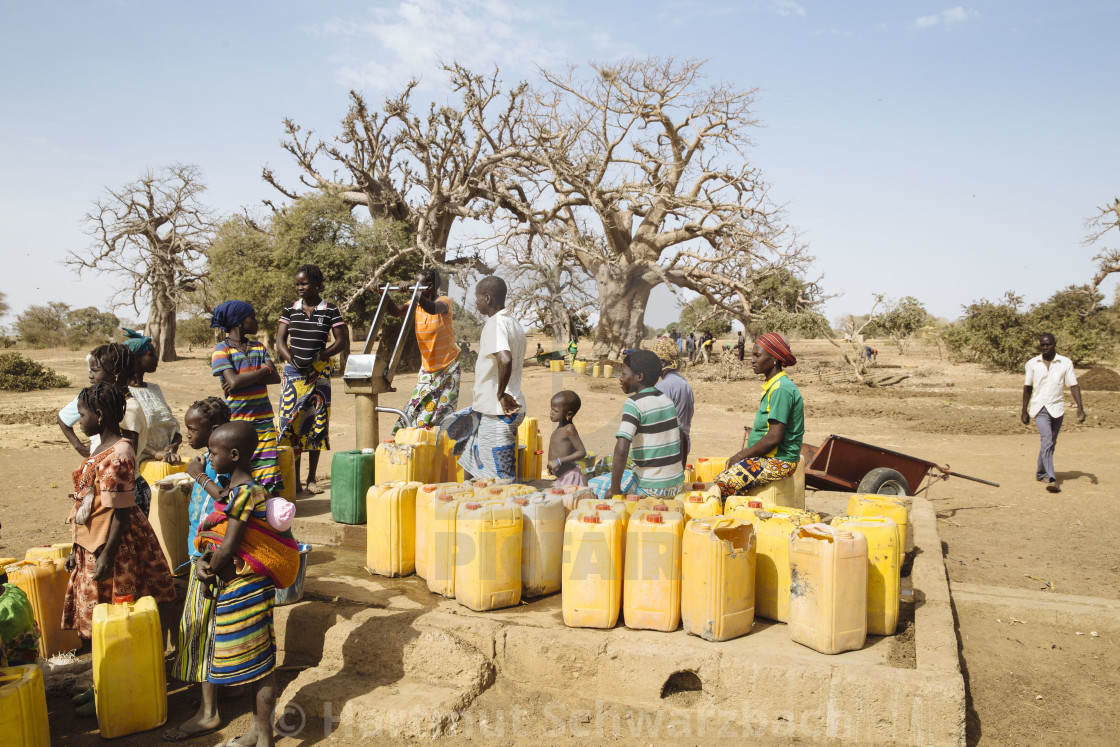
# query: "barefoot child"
[[245, 370], [115, 551], [244, 561], [565, 448]]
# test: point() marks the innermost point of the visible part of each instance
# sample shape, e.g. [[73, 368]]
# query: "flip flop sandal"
[[178, 735]]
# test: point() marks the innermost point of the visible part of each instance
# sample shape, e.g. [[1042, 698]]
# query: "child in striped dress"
[[245, 370]]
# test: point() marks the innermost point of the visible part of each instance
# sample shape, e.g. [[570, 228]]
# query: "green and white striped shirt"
[[649, 423]]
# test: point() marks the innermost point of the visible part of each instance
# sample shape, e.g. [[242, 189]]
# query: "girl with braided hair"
[[115, 551]]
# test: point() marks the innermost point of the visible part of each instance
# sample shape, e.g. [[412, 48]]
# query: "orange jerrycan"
[[44, 582], [717, 578], [651, 589], [828, 592], [170, 520], [23, 707], [542, 542], [488, 555], [708, 467], [889, 506], [772, 530], [154, 470], [391, 529], [789, 491], [129, 685], [883, 569], [592, 569], [286, 461], [701, 504]]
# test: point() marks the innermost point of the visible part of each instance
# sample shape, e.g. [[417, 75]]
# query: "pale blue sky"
[[949, 152]]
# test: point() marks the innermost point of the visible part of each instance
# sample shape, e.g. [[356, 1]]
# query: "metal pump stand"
[[368, 374]]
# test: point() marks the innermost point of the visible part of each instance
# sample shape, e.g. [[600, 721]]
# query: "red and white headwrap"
[[776, 345]]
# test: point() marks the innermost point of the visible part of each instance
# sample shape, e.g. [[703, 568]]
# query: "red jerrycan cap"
[[447, 498], [122, 599], [495, 491], [473, 506], [590, 519], [521, 501], [659, 507], [603, 507], [695, 499], [429, 488], [556, 491], [655, 518], [754, 504]]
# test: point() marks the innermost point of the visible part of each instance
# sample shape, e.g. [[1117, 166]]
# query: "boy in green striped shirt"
[[649, 431]]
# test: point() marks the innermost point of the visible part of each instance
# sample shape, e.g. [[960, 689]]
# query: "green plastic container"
[[351, 477]]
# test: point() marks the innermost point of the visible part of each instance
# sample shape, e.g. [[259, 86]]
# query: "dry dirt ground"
[[1028, 682]]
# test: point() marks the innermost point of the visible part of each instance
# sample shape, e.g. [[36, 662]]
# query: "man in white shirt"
[[1048, 375], [485, 434]]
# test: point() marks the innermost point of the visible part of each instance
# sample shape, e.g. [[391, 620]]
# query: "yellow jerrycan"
[[884, 565], [700, 505], [740, 503], [129, 685], [425, 443], [631, 501], [772, 530], [717, 578], [828, 592], [23, 707], [170, 520], [154, 470], [608, 371], [591, 592], [44, 582], [695, 486], [426, 497], [789, 491], [661, 504], [528, 435], [889, 506], [708, 467], [651, 588], [286, 461], [616, 504], [46, 552], [441, 571], [488, 555], [542, 542], [391, 529], [595, 369], [397, 461], [445, 457]]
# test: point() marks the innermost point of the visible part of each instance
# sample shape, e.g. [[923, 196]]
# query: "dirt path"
[[953, 414]]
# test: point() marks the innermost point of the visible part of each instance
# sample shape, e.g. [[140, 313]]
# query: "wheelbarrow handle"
[[946, 471]]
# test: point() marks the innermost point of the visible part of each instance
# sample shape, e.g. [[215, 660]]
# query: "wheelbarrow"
[[848, 465]]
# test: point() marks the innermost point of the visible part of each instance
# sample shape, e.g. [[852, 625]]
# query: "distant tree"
[[1100, 225], [1084, 328], [196, 330], [994, 333], [3, 303], [43, 326], [465, 323], [152, 234], [91, 325], [902, 319], [700, 316], [547, 286]]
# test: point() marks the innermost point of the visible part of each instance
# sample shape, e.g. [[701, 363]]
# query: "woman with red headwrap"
[[774, 445]]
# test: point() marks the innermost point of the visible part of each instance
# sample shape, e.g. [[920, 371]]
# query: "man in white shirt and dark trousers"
[[1048, 374]]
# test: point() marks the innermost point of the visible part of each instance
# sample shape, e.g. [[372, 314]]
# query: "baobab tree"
[[546, 283], [1108, 260], [153, 234], [647, 152]]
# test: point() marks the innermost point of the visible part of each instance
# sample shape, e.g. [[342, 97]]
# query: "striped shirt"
[[308, 335], [436, 338], [251, 402], [649, 423]]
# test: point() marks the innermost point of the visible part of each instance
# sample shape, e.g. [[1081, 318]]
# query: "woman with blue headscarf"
[[164, 437], [245, 370]]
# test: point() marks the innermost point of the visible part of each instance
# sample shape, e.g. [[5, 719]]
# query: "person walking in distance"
[[1047, 376]]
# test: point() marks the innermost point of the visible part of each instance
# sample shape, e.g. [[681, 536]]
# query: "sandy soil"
[[1015, 536]]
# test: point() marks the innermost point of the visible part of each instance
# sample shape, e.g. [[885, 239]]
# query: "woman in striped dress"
[[245, 370]]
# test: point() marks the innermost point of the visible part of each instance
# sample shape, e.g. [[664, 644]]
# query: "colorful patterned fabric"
[[486, 445], [201, 504], [19, 634], [251, 404], [196, 634], [105, 481], [629, 484], [435, 396], [244, 645], [436, 338], [139, 570], [305, 407], [776, 345], [750, 473], [649, 422], [781, 401], [263, 550]]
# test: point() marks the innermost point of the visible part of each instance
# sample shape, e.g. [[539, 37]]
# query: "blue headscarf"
[[229, 314], [136, 342]]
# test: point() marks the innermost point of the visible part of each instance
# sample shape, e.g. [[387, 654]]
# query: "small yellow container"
[[700, 505], [592, 569], [883, 569], [828, 594], [286, 461], [542, 542], [44, 582], [129, 684], [717, 578], [708, 467], [595, 370], [426, 441], [169, 516], [608, 371], [580, 367], [23, 707], [441, 571], [48, 552], [529, 437], [391, 529], [789, 491], [154, 470], [772, 529], [445, 456], [651, 589], [488, 555], [888, 506]]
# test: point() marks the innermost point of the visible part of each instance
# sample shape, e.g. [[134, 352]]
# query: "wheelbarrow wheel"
[[884, 481]]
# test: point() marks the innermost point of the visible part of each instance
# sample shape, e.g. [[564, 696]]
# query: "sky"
[[947, 152]]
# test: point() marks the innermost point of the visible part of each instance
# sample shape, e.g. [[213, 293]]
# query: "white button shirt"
[[1049, 384], [501, 332]]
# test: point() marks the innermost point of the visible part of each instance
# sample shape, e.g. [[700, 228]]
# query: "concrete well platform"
[[384, 658]]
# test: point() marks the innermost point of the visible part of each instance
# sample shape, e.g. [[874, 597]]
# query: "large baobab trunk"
[[161, 328], [623, 295], [562, 327]]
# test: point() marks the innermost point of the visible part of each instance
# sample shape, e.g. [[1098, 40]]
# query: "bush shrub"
[[21, 374]]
